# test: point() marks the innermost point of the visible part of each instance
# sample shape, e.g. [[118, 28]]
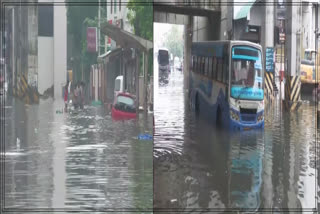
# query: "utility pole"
[[316, 40], [99, 29]]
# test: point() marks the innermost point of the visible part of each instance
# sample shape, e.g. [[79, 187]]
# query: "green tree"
[[174, 41], [76, 25], [140, 16]]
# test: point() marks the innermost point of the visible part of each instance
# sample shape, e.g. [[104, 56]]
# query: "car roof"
[[125, 94]]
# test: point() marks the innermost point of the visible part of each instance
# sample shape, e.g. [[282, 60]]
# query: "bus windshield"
[[246, 73], [163, 57], [309, 56]]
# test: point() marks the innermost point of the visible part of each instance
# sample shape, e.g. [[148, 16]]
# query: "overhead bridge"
[[201, 22], [178, 12]]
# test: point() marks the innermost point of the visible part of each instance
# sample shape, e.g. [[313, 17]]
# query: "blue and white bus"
[[227, 83]]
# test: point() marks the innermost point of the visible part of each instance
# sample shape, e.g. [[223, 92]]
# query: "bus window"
[[197, 65], [214, 68], [203, 65], [227, 72], [225, 69], [210, 67], [219, 70], [206, 67], [193, 63]]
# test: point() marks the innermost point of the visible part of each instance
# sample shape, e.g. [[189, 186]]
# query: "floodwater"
[[78, 161], [200, 168]]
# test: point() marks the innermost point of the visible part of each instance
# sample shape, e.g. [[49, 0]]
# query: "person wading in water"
[[66, 94]]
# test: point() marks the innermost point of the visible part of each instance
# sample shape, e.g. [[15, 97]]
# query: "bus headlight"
[[234, 115], [260, 117]]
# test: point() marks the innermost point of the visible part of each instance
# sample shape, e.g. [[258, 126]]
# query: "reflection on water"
[[197, 166], [78, 160]]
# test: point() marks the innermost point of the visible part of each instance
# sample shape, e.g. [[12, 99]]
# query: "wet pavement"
[[75, 161], [200, 168]]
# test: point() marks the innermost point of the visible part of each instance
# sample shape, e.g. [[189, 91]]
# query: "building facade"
[[117, 14], [36, 49]]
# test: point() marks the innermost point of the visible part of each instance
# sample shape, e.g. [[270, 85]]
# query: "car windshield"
[[246, 75], [125, 100]]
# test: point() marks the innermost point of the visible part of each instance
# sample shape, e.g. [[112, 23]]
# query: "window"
[[206, 71], [219, 70], [193, 63], [210, 67], [126, 100], [199, 64], [207, 67], [203, 65], [214, 68], [115, 6], [224, 72], [119, 5], [226, 69]]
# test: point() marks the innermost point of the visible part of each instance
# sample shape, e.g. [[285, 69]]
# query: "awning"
[[124, 38], [241, 11], [108, 54]]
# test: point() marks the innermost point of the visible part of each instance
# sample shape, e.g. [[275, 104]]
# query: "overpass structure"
[[196, 18]]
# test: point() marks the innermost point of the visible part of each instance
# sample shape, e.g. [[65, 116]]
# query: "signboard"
[[269, 60], [109, 40], [92, 45]]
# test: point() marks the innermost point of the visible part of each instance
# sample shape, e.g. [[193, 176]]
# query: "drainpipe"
[[145, 99]]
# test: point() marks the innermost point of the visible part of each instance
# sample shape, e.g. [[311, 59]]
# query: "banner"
[[269, 59], [92, 41]]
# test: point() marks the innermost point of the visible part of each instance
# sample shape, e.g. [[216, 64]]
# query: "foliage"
[[174, 41], [76, 25], [140, 16]]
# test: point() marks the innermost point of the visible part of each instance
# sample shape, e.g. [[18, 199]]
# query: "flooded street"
[[78, 160], [198, 167]]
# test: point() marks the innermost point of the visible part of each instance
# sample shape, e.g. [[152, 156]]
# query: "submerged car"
[[124, 107]]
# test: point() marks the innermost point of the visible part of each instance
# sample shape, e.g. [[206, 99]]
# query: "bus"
[[163, 61], [227, 83]]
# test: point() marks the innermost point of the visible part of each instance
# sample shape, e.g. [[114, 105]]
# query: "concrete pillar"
[[312, 36], [96, 70], [137, 67], [226, 21], [188, 29], [292, 51], [13, 51], [268, 42], [145, 83], [60, 49], [269, 24], [306, 27]]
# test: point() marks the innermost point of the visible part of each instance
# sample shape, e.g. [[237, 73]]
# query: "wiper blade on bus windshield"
[[241, 91]]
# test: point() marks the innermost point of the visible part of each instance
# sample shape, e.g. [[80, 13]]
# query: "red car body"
[[121, 114]]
